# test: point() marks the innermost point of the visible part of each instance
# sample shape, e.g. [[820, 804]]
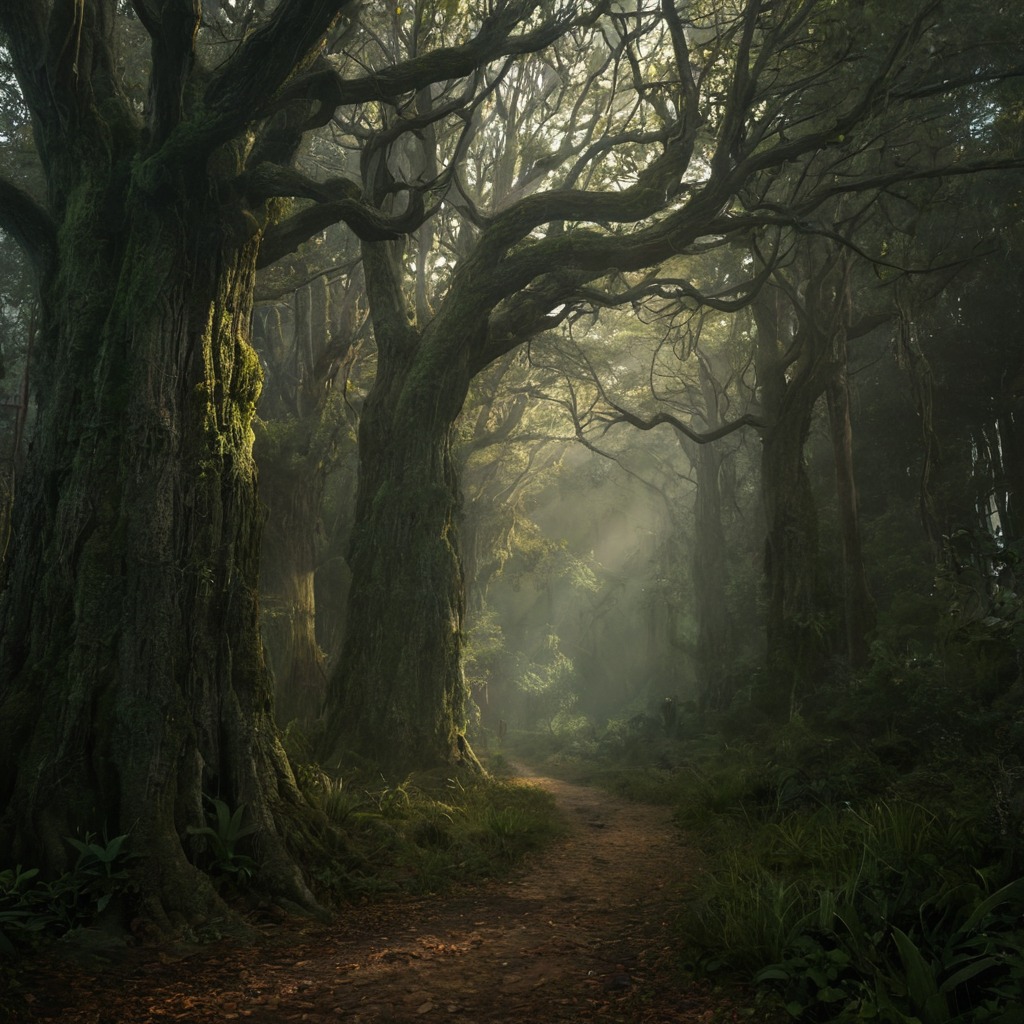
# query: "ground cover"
[[583, 930]]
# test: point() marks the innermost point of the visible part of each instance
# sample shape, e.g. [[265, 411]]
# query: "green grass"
[[430, 832]]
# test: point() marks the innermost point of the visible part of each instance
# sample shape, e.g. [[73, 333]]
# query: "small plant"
[[948, 972], [223, 836], [954, 955], [31, 908], [19, 916], [337, 800], [99, 872], [393, 801], [503, 826]]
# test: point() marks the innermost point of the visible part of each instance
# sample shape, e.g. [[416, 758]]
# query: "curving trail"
[[582, 933]]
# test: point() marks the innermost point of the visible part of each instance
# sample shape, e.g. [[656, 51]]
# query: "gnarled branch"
[[335, 201], [29, 225]]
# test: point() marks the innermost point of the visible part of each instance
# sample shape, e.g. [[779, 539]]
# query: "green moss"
[[249, 376]]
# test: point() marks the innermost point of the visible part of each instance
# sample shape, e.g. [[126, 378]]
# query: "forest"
[[397, 400]]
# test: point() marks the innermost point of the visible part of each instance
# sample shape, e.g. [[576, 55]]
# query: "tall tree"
[[716, 632], [132, 678]]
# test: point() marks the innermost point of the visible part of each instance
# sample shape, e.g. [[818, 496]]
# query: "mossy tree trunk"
[[132, 677], [132, 660], [399, 693]]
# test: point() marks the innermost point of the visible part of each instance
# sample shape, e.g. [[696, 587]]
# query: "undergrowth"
[[33, 908], [429, 832], [862, 861], [424, 834]]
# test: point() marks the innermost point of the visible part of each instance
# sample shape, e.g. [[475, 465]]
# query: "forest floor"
[[581, 932]]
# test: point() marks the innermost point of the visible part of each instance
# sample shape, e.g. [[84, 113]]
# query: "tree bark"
[[398, 695], [714, 630], [287, 575], [131, 602], [789, 390], [132, 678]]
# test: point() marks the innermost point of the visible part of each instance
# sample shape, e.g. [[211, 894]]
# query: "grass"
[[430, 832]]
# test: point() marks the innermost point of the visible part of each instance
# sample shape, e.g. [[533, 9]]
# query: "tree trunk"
[[1010, 434], [714, 629], [296, 449], [132, 664], [789, 392], [709, 578], [859, 613], [794, 641], [398, 695]]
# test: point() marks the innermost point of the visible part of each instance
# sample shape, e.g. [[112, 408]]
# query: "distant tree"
[[310, 340], [507, 447], [18, 310], [18, 326], [718, 635]]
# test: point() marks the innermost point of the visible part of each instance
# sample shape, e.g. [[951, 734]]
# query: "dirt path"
[[582, 933]]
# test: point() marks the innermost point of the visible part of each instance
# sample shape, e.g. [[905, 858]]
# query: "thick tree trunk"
[[131, 659], [398, 694]]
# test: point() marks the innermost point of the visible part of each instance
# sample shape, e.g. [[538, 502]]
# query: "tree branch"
[[494, 39], [242, 89], [337, 200], [699, 437], [172, 26], [29, 225]]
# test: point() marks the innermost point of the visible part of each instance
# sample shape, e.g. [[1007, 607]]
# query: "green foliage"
[[330, 794], [958, 963], [31, 908], [223, 836], [872, 875], [20, 915], [428, 833], [864, 859]]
